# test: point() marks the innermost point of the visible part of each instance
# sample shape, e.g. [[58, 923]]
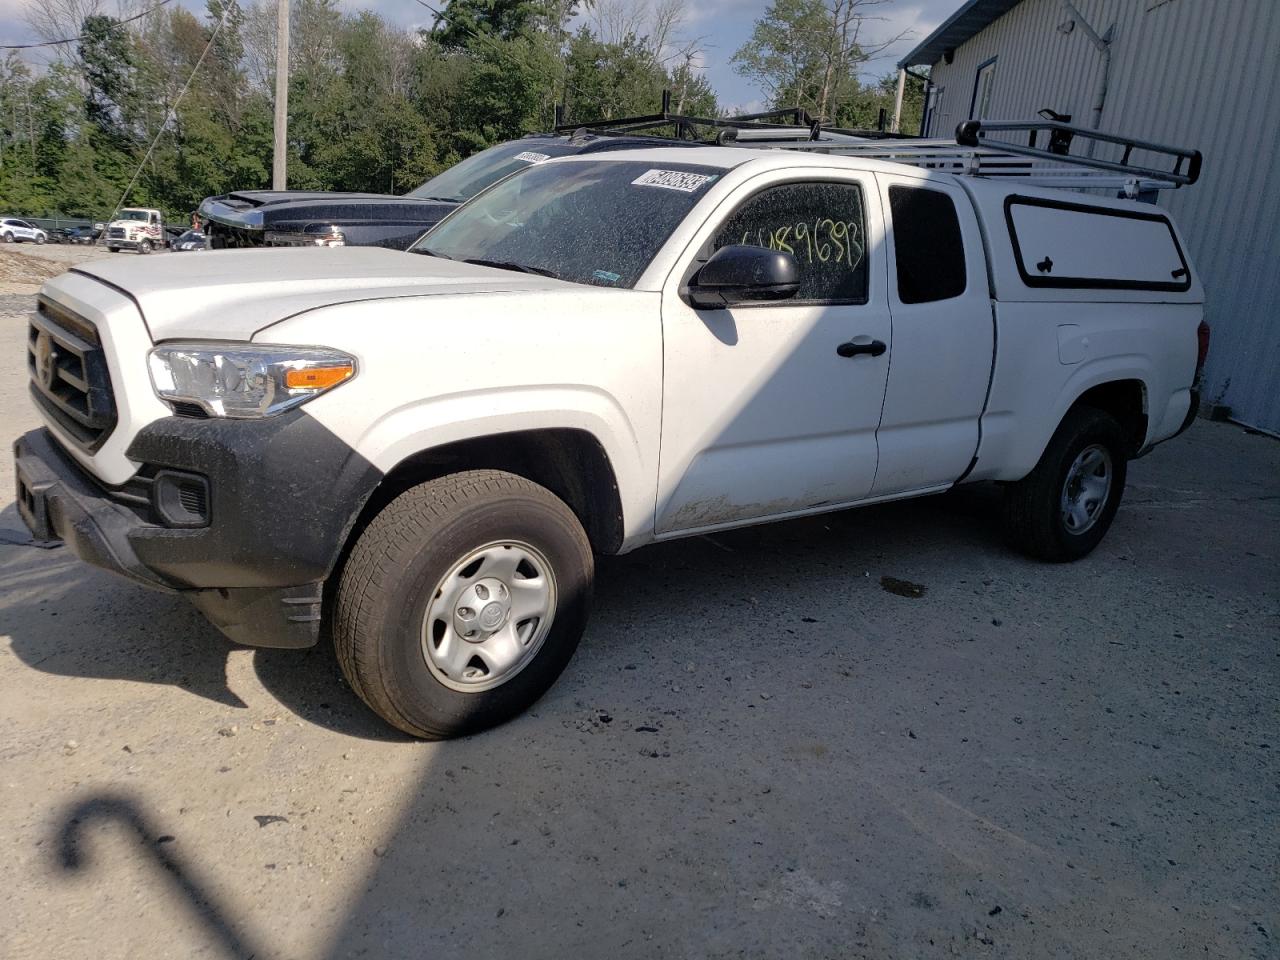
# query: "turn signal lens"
[[317, 378]]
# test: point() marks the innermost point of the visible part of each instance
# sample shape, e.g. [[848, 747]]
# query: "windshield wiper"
[[430, 253], [511, 265], [439, 199]]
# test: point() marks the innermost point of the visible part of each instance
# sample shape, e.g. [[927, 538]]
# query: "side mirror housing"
[[740, 273]]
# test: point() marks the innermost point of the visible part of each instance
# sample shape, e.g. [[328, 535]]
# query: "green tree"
[[463, 22], [107, 53], [809, 53]]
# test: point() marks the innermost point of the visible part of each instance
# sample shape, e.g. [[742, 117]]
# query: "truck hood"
[[259, 209], [233, 294]]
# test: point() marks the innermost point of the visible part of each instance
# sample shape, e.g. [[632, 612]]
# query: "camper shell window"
[[1076, 245]]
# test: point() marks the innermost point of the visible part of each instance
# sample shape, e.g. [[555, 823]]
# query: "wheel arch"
[[1126, 401], [1013, 443], [570, 462]]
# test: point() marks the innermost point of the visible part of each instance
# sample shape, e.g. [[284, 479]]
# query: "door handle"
[[851, 349]]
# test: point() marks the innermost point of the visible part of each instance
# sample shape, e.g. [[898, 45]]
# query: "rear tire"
[[1064, 507], [113, 249], [406, 595], [8, 238]]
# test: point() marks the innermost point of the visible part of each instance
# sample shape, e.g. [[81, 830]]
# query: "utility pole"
[[278, 172], [897, 101]]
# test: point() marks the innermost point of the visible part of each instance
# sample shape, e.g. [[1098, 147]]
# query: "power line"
[[55, 43]]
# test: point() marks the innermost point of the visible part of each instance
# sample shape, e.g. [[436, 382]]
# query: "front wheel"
[[1064, 507], [462, 602], [40, 239], [144, 247]]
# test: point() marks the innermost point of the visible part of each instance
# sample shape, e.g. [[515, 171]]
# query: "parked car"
[[13, 230], [423, 451], [81, 234], [256, 218], [188, 240]]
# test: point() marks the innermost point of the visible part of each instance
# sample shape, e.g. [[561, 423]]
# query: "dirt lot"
[[758, 752], [24, 266]]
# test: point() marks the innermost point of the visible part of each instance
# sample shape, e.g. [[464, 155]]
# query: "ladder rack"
[[980, 148], [976, 153]]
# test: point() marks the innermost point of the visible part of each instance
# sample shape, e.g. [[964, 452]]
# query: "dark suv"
[[256, 218]]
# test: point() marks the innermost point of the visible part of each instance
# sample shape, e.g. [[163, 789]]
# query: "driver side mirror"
[[740, 273]]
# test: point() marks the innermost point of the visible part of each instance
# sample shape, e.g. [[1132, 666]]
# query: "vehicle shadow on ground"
[[121, 631], [67, 618], [717, 568]]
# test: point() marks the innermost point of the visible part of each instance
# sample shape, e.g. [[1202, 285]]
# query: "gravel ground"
[[758, 752]]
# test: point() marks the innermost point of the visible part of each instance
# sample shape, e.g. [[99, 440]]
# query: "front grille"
[[69, 378], [115, 233], [221, 236]]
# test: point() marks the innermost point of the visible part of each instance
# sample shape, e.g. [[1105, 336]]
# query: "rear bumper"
[[256, 567], [1192, 412]]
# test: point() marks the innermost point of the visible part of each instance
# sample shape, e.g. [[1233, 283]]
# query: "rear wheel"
[[7, 237], [1065, 506], [462, 602], [113, 249]]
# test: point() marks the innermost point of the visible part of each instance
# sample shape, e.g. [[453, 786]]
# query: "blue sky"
[[724, 25]]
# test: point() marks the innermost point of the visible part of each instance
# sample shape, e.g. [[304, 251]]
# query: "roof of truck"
[[729, 158]]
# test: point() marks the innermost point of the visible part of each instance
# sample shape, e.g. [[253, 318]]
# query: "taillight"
[[1202, 344]]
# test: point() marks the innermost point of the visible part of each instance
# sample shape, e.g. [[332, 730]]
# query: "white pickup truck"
[[421, 452]]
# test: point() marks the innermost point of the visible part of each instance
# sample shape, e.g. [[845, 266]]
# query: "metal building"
[[1196, 73]]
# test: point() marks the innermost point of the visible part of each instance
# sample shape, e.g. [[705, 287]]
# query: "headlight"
[[243, 380]]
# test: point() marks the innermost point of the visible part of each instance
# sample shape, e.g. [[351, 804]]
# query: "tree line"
[[373, 106]]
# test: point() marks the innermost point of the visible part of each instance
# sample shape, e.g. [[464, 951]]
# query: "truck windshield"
[[464, 180], [134, 215], [597, 222]]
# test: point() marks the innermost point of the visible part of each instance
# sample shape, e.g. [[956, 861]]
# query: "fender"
[[436, 370]]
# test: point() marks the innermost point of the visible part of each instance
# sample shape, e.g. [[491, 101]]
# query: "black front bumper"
[[57, 501], [283, 494]]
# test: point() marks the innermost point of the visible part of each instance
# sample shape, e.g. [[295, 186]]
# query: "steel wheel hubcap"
[[489, 616], [1087, 487]]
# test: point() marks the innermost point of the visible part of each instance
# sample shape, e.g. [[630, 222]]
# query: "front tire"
[[40, 239], [462, 602], [1064, 507], [144, 247]]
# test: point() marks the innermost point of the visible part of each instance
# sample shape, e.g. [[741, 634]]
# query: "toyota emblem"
[[45, 357]]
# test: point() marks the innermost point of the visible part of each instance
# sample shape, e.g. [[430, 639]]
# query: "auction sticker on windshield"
[[673, 180], [530, 157]]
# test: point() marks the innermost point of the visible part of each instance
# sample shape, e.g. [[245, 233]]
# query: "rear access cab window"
[[928, 247], [1075, 245]]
